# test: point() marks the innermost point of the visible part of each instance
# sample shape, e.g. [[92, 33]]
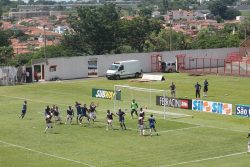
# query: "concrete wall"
[[77, 67], [66, 68]]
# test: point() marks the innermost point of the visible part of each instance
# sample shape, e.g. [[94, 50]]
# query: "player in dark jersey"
[[57, 115], [197, 90], [78, 112], [121, 115], [24, 109], [141, 126], [48, 122], [84, 111], [47, 111], [152, 123], [109, 119], [141, 113], [205, 89], [70, 115]]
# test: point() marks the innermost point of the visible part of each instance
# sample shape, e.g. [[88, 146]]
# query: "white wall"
[[67, 68], [77, 67]]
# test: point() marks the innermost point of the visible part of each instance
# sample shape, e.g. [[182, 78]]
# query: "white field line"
[[46, 154], [46, 102], [205, 159]]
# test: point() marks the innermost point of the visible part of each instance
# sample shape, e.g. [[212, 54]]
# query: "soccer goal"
[[146, 98]]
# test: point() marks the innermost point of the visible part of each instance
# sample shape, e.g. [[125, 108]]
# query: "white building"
[[84, 66]]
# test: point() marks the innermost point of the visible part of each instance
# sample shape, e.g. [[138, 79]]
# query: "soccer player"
[[121, 115], [70, 115], [172, 89], [152, 123], [141, 126], [92, 110], [24, 109], [78, 111], [141, 113], [134, 107], [48, 122], [57, 115], [47, 111], [197, 90], [205, 88], [109, 119], [84, 111]]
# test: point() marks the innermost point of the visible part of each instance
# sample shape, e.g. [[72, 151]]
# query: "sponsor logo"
[[105, 94], [184, 104], [173, 102], [242, 110], [214, 107]]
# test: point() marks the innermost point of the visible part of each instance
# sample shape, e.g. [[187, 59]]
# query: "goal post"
[[145, 98]]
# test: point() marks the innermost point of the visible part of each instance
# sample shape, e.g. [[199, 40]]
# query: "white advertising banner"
[[212, 107]]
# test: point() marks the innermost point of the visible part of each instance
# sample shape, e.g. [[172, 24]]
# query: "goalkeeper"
[[134, 107]]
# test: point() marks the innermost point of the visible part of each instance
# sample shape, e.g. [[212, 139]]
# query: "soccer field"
[[202, 140]]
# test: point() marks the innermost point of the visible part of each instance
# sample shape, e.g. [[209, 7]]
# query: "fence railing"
[[234, 66]]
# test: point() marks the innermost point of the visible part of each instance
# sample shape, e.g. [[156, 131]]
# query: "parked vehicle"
[[168, 66], [124, 69]]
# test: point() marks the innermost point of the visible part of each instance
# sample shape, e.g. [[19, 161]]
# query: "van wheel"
[[137, 75], [117, 77]]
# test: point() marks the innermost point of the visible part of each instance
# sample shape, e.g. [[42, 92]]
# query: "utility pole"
[[44, 38], [171, 29]]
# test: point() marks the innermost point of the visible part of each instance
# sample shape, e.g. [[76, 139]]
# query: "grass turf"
[[204, 140]]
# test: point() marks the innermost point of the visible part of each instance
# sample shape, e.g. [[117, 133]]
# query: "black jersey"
[[142, 114], [110, 116], [70, 112], [92, 108], [56, 113]]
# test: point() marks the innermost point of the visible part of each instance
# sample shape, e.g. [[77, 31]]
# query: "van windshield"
[[114, 67]]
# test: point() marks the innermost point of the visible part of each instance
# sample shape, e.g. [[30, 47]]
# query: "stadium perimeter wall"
[[77, 67]]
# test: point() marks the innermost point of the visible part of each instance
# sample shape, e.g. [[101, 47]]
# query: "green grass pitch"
[[204, 140]]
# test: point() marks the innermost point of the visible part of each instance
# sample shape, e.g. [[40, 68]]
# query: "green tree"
[[95, 30], [219, 8], [145, 12], [208, 38], [6, 54], [231, 14], [161, 41], [4, 38], [52, 51], [137, 31]]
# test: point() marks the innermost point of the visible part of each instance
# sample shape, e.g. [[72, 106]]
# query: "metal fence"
[[240, 67]]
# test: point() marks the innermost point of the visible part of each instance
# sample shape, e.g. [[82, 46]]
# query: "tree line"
[[102, 30]]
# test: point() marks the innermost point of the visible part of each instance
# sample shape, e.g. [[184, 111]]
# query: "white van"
[[168, 66], [124, 69]]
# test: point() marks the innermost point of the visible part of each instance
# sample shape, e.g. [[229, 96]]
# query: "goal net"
[[145, 98]]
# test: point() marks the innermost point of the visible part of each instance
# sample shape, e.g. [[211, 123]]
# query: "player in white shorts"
[[109, 119], [48, 122]]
